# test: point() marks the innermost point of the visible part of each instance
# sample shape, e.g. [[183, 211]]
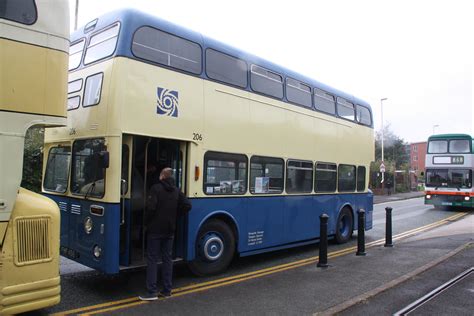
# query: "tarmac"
[[383, 282]]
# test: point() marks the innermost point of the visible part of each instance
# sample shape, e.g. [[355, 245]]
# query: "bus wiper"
[[90, 190]]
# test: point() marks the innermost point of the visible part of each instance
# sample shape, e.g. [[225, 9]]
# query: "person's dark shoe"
[[148, 297], [162, 294]]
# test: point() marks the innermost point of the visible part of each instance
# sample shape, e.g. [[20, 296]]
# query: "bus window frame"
[[73, 81], [354, 120], [82, 53], [457, 152], [68, 171], [321, 111], [151, 62], [224, 82], [72, 166], [217, 153], [78, 104], [357, 178], [342, 165], [282, 82], [19, 22], [112, 25], [283, 176], [370, 115], [438, 140], [336, 171], [85, 86], [310, 107], [312, 175]]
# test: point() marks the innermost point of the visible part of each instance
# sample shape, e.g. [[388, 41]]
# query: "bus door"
[[150, 156], [125, 202]]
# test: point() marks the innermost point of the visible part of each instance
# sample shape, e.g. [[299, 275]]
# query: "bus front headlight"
[[428, 196], [97, 251], [88, 225], [467, 198]]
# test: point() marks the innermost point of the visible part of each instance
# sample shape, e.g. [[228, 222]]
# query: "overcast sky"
[[419, 54]]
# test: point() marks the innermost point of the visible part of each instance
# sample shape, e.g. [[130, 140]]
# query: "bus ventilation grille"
[[32, 244]]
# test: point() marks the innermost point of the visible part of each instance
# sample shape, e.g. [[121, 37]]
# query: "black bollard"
[[361, 233], [388, 227], [323, 241]]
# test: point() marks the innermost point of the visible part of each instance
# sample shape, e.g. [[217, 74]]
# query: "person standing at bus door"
[[165, 202]]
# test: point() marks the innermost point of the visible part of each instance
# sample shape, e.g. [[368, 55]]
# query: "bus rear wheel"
[[215, 247], [344, 226]]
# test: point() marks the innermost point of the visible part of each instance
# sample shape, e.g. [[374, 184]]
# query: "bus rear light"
[[197, 173]]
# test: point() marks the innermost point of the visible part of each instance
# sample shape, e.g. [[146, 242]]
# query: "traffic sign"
[[382, 167]]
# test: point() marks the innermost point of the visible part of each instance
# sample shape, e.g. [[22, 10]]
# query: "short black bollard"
[[361, 233], [388, 227], [323, 241]]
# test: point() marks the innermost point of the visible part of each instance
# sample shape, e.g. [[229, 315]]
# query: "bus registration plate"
[[447, 203]]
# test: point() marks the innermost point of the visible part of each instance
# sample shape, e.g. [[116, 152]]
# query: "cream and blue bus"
[[449, 166], [261, 151], [34, 44]]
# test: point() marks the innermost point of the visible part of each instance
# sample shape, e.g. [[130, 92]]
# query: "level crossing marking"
[[199, 287]]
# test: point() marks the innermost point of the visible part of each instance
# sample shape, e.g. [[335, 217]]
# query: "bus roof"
[[132, 19], [449, 136]]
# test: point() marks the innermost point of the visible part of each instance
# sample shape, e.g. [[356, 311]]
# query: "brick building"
[[417, 162]]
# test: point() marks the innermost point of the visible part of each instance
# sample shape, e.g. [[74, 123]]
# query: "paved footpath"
[[381, 283], [398, 196]]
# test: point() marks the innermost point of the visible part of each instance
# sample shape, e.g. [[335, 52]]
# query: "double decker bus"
[[449, 168], [260, 150], [33, 88]]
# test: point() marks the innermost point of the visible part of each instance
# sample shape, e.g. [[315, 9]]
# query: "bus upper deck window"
[[75, 54], [438, 147], [459, 146], [102, 44]]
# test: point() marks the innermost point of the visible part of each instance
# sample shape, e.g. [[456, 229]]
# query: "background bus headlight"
[[88, 225], [97, 251], [467, 198], [428, 196]]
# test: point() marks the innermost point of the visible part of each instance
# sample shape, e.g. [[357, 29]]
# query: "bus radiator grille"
[[32, 240]]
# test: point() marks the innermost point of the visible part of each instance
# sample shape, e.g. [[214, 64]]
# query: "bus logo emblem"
[[167, 102]]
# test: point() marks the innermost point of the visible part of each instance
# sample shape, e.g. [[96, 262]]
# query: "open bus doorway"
[[147, 157]]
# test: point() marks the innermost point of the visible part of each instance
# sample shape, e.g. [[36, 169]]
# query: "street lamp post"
[[434, 127], [383, 171]]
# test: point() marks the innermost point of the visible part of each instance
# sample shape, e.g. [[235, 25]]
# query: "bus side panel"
[[301, 218], [79, 246], [265, 223]]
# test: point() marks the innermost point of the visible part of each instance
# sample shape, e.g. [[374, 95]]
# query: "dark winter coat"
[[165, 203]]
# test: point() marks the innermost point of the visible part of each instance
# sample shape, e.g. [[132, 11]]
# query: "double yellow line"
[[204, 286]]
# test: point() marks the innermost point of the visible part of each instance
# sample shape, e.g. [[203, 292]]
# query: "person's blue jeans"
[[159, 245]]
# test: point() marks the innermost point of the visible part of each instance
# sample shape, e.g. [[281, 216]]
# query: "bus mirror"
[[103, 159]]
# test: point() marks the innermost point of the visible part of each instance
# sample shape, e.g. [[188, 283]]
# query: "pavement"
[[383, 282], [378, 199]]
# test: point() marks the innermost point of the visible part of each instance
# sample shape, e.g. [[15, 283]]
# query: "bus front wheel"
[[215, 247], [344, 226]]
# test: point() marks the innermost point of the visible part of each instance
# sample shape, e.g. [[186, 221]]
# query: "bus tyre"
[[215, 247], [344, 226]]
